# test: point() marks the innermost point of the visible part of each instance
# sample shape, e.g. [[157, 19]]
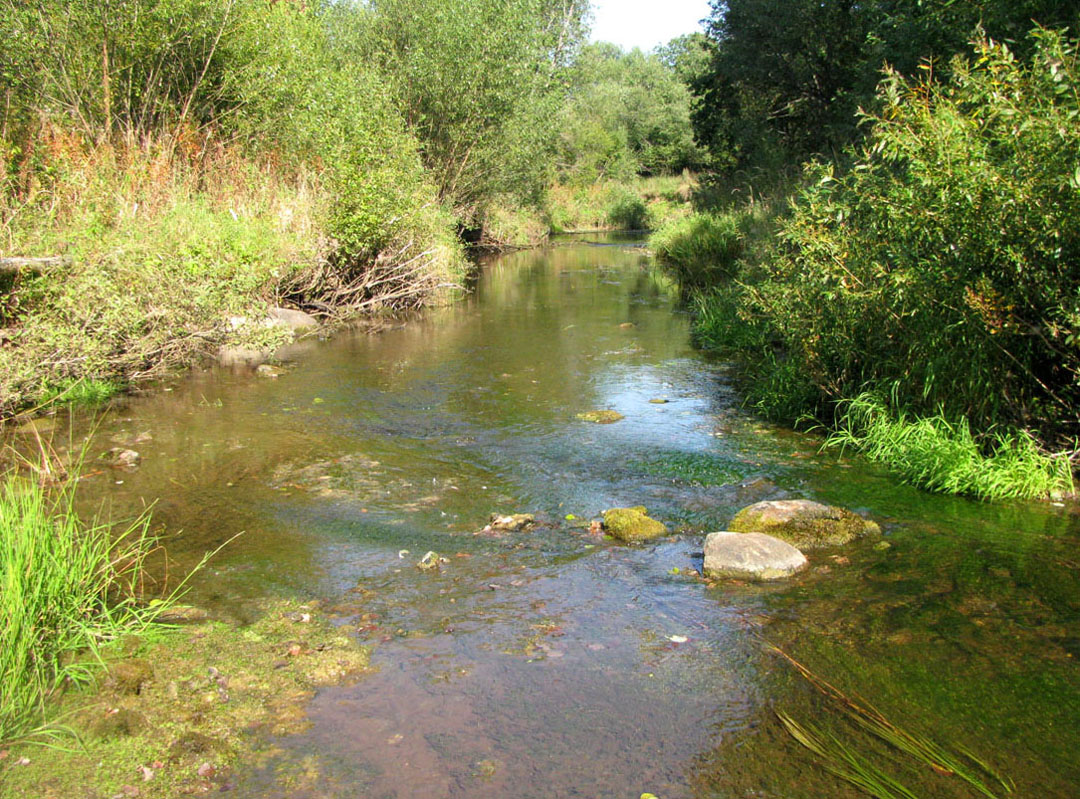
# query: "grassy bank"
[[67, 590], [908, 273], [170, 261], [176, 711]]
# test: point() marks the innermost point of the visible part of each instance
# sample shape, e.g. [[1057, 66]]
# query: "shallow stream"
[[553, 662]]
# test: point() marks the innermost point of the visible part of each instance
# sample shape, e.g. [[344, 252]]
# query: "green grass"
[[639, 204], [944, 456], [65, 588], [703, 249], [83, 392]]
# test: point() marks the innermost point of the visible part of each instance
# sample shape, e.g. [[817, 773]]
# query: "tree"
[[787, 76], [627, 113], [480, 82]]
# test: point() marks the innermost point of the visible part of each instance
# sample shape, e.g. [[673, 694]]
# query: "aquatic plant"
[[935, 453], [65, 587], [847, 764]]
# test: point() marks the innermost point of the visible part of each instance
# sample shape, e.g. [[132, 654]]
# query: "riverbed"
[[552, 661]]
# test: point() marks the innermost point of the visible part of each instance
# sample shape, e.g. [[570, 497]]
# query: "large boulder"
[[632, 524], [293, 319], [803, 523], [753, 556]]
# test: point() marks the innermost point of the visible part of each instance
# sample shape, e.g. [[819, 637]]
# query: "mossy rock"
[[632, 524], [128, 677], [601, 417], [803, 523]]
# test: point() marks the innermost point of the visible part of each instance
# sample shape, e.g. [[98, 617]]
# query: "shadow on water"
[[542, 663]]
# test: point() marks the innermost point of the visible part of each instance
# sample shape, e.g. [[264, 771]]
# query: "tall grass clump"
[[933, 453], [702, 249], [65, 588]]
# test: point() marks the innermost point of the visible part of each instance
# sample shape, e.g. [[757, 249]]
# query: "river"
[[554, 662]]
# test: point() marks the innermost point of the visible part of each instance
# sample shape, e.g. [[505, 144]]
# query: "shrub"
[[702, 249], [945, 259]]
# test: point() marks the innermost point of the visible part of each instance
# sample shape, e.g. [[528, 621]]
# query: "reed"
[[847, 764]]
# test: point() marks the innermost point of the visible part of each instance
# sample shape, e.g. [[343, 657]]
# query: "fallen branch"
[[15, 264]]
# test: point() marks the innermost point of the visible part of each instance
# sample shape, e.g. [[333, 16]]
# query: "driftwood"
[[13, 265]]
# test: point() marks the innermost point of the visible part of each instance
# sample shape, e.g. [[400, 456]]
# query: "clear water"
[[540, 664]]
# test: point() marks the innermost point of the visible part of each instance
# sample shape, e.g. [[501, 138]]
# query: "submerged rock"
[[266, 370], [803, 523], [632, 524], [122, 458], [180, 614], [242, 357], [512, 523], [753, 556], [601, 417], [122, 723]]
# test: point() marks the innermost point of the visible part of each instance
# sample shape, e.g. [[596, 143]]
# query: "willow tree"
[[479, 82]]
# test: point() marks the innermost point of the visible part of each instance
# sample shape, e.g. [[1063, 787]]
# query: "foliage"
[[199, 160], [627, 114], [66, 587], [943, 261], [642, 203], [479, 83], [935, 454], [786, 76], [702, 249]]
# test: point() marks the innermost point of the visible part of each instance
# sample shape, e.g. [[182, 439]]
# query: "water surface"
[[541, 663]]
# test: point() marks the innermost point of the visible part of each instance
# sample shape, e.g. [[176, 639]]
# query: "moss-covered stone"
[[632, 524], [600, 417], [130, 676], [803, 523]]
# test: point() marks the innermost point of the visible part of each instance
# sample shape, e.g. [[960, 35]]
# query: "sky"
[[646, 23]]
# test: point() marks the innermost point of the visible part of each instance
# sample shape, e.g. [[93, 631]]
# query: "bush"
[[944, 261], [626, 209]]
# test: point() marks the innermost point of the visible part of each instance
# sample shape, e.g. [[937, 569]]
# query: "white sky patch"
[[646, 23]]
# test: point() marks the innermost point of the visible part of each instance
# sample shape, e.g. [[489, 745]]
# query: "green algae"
[[175, 715], [696, 468], [632, 524]]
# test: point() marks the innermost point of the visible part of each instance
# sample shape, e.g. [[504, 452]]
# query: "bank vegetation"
[[914, 287]]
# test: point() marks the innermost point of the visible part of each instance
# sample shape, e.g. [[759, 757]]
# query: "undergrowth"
[[639, 204]]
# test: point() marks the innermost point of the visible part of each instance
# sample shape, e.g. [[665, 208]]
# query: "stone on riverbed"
[[296, 321], [632, 524], [600, 417], [513, 522], [753, 556], [803, 523], [121, 458]]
